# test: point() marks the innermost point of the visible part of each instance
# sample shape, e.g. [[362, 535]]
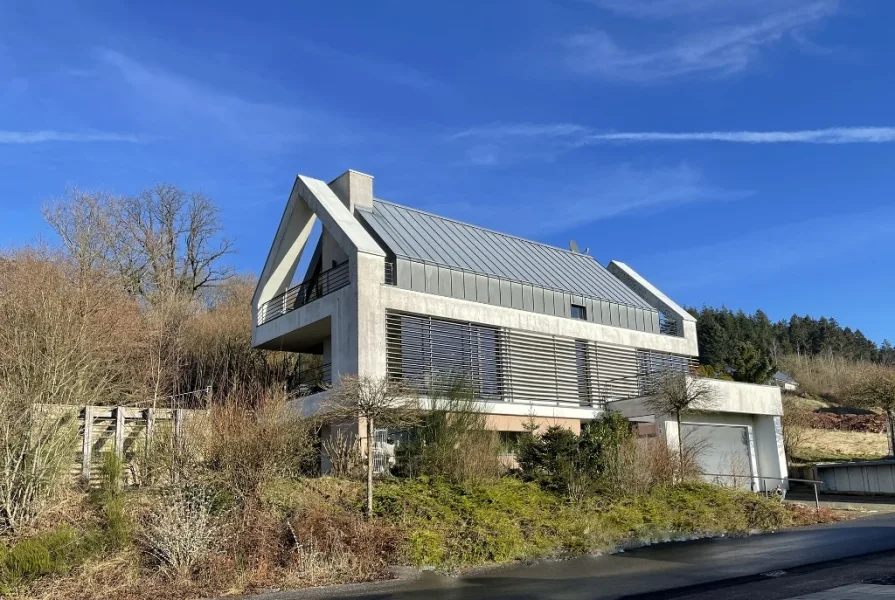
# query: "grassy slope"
[[822, 445], [453, 526], [825, 445]]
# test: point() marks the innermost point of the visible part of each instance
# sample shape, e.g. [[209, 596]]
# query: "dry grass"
[[821, 445]]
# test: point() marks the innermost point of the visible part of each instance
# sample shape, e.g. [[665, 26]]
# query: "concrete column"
[[369, 273], [119, 431], [770, 454], [87, 444]]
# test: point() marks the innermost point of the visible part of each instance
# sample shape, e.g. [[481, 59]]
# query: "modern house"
[[784, 382], [391, 291]]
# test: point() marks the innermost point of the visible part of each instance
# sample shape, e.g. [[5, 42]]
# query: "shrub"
[[453, 440], [35, 445], [180, 529], [578, 465], [243, 447], [50, 553], [342, 449]]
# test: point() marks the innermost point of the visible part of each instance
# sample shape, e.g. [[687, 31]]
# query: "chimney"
[[354, 189]]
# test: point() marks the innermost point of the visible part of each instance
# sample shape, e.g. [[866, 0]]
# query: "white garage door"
[[722, 452]]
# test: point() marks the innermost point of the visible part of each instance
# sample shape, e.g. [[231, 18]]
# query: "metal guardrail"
[[312, 380], [307, 291], [642, 383], [752, 479], [668, 325]]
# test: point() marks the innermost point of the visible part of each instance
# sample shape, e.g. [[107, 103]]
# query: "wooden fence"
[[130, 433]]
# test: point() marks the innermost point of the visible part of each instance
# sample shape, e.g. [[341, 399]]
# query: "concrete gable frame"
[[310, 199]]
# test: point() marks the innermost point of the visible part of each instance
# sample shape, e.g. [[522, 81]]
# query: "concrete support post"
[[178, 443], [87, 444], [150, 429], [119, 431]]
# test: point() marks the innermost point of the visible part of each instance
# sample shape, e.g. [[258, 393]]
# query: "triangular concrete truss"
[[310, 199]]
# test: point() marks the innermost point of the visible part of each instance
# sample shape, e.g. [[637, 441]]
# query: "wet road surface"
[[671, 570]]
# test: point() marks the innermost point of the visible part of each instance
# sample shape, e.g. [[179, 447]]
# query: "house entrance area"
[[722, 452]]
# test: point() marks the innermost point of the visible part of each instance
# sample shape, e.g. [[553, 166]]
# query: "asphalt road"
[[708, 568]]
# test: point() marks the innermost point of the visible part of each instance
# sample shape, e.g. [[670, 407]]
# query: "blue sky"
[[735, 152]]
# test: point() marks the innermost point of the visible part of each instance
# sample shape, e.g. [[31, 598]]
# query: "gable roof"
[[414, 234]]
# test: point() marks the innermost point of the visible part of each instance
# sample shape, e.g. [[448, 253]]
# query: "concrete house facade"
[[391, 291]]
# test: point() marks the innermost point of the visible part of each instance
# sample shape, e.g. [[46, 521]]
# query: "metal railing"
[[718, 481], [643, 383], [311, 380], [391, 278], [668, 325], [307, 291]]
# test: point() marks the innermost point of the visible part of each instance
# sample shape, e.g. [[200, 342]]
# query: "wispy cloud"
[[568, 136], [604, 193], [38, 137], [766, 253], [183, 104], [375, 67], [725, 39]]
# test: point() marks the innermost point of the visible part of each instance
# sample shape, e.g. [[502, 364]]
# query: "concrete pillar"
[[87, 444], [119, 432], [771, 456]]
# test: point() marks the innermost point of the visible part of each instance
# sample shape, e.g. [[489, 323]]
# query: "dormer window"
[[579, 312]]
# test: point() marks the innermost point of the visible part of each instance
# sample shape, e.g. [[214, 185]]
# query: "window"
[[424, 351], [579, 312]]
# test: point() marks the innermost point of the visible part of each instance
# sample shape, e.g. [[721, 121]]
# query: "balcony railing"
[[307, 291], [311, 380], [391, 277], [668, 325], [642, 383]]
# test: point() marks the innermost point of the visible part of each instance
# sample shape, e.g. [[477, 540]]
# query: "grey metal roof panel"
[[416, 234]]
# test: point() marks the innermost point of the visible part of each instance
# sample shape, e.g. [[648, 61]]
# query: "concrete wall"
[[757, 407], [396, 298], [730, 397]]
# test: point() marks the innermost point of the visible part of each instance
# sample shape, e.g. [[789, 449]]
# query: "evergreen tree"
[[750, 365]]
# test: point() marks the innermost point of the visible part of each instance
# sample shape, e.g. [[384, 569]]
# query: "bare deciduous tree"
[[873, 386], [794, 428], [84, 222], [162, 242], [676, 392], [179, 237], [376, 402]]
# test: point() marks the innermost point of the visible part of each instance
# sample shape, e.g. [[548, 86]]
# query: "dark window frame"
[[582, 312]]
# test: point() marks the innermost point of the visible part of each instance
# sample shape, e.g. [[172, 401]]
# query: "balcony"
[[307, 291], [310, 380]]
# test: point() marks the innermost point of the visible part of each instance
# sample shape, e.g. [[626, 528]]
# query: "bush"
[[451, 525], [242, 448], [51, 553], [326, 537], [35, 445], [180, 529], [578, 465], [453, 441]]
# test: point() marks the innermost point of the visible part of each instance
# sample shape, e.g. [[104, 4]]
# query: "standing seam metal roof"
[[415, 234]]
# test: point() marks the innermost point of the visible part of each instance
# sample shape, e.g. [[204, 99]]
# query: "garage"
[[723, 452]]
